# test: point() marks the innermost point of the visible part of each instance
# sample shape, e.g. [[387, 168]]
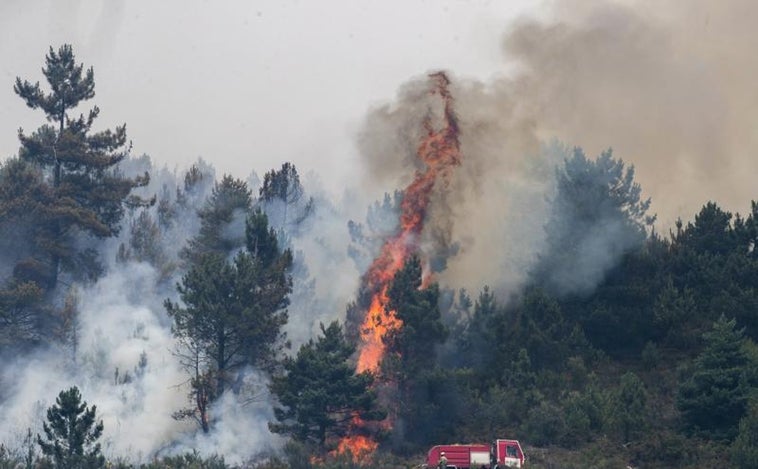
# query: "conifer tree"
[[413, 345], [283, 194], [320, 391], [744, 450], [597, 215], [628, 406], [713, 398], [20, 314], [86, 193], [478, 339], [230, 199], [411, 357], [232, 313], [71, 433]]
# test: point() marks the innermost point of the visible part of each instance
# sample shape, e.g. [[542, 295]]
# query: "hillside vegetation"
[[624, 347]]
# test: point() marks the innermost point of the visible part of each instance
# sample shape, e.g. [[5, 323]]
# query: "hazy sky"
[[250, 84]]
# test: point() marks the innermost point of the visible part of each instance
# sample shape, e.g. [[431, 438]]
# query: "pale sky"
[[247, 85]]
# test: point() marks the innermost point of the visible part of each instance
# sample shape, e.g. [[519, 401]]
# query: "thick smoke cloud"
[[668, 85], [487, 220], [116, 328]]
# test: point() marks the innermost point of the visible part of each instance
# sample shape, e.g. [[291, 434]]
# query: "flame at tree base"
[[360, 447]]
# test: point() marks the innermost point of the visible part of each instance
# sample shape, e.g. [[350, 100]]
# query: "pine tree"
[[274, 265], [713, 398], [144, 243], [541, 328], [628, 406], [232, 313], [411, 357], [320, 391], [744, 450], [230, 200], [20, 314], [710, 233], [413, 345], [71, 433], [22, 195], [24, 199], [284, 195], [478, 340], [86, 194], [596, 216], [673, 311]]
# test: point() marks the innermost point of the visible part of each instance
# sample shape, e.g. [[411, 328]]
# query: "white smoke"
[[335, 279], [118, 325], [122, 321]]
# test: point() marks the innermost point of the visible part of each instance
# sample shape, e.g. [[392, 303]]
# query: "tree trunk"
[[220, 364], [55, 260]]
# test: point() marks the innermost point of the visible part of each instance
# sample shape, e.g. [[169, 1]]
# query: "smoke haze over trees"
[[543, 300]]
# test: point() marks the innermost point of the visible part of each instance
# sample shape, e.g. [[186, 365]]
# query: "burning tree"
[[438, 154], [439, 151], [321, 392], [410, 357]]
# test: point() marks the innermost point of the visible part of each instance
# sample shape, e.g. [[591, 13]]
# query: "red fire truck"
[[501, 453]]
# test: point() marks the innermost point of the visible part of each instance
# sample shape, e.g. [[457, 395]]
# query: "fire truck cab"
[[508, 453], [500, 454]]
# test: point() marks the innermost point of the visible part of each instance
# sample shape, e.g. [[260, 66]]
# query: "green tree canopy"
[[86, 194], [320, 391], [413, 344], [284, 199], [230, 200], [597, 214], [478, 338], [628, 406], [410, 359], [711, 232], [71, 433], [713, 398], [232, 313], [744, 450]]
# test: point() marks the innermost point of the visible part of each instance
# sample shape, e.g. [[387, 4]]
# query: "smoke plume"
[[668, 85]]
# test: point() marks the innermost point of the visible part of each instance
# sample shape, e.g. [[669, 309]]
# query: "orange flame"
[[360, 446], [377, 323], [439, 151]]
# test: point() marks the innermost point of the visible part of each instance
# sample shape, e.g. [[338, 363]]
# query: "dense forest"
[[159, 318]]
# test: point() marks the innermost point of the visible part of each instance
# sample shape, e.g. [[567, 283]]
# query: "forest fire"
[[360, 446], [439, 152]]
